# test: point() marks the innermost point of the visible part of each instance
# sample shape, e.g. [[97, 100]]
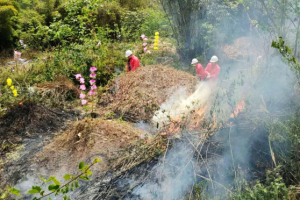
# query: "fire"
[[197, 117], [194, 122], [174, 127], [239, 108]]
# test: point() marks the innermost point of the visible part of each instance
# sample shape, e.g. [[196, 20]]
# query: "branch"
[[73, 179]]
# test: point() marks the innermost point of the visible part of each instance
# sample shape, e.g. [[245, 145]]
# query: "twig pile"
[[137, 95]]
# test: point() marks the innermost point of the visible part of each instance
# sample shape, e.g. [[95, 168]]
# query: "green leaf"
[[88, 173], [15, 191], [67, 177], [96, 160], [55, 181], [72, 187], [53, 187], [76, 183], [45, 180], [81, 165], [66, 188], [4, 195], [35, 190], [84, 178]]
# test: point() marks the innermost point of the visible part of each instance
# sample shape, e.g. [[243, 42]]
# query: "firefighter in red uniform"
[[200, 72], [213, 68], [132, 61]]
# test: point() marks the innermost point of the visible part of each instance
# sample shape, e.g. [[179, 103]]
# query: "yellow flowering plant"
[[12, 87], [9, 81], [156, 41]]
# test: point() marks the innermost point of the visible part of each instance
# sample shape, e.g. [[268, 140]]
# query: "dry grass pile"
[[137, 95], [242, 48], [84, 141], [55, 94]]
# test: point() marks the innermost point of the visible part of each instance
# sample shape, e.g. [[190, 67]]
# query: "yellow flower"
[[156, 37], [9, 81], [155, 44], [155, 48], [12, 87], [15, 92], [156, 33]]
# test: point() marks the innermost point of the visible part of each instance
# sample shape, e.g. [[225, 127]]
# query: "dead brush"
[[56, 94], [136, 96], [81, 135], [141, 151]]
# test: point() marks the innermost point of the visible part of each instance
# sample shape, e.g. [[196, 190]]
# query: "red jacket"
[[200, 71], [132, 63], [214, 71]]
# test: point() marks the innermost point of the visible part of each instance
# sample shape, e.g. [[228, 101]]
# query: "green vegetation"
[[67, 37], [56, 188]]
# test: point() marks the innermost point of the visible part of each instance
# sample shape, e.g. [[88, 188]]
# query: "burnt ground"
[[236, 150], [26, 128]]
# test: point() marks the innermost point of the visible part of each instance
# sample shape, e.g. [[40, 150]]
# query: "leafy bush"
[[273, 188], [8, 9]]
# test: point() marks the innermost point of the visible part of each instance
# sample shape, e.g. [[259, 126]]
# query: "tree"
[[8, 9]]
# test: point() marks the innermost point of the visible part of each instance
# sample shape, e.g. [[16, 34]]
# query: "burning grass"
[[136, 96]]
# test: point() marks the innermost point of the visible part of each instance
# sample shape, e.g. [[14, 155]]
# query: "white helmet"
[[214, 59], [128, 53], [194, 61]]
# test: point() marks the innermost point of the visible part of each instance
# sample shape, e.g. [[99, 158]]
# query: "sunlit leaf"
[[14, 191], [96, 160], [4, 195], [34, 190], [67, 177]]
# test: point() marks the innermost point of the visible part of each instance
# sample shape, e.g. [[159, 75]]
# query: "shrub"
[[8, 9]]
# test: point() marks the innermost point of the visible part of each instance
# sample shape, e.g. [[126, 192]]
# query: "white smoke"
[[179, 105], [173, 176]]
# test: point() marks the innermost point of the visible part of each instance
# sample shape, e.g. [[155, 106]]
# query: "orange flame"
[[174, 127], [197, 118], [239, 108], [194, 122]]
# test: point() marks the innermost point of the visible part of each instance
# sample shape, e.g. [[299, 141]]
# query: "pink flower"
[[92, 92], [93, 75], [83, 102], [92, 81], [81, 80], [143, 36], [145, 39], [82, 87], [81, 96], [93, 87], [148, 51], [77, 76], [93, 69], [145, 44], [145, 49]]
